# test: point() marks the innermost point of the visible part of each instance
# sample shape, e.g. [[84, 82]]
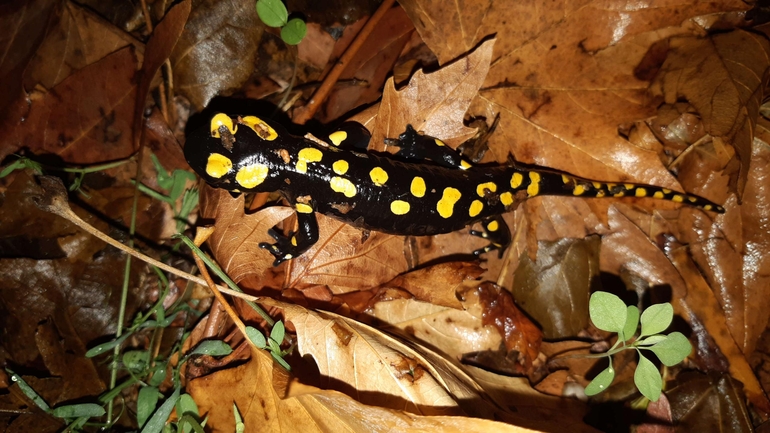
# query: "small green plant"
[[272, 344], [26, 163], [144, 371], [274, 14], [174, 183], [609, 313]]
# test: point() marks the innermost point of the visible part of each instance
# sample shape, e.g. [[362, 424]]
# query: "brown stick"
[[308, 111]]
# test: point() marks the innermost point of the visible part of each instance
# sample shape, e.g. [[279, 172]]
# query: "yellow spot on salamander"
[[343, 186], [439, 143], [308, 154], [294, 240], [417, 188], [534, 184], [692, 199], [629, 186], [708, 207], [481, 189], [516, 180], [493, 226], [619, 194], [464, 165], [303, 208], [597, 185], [265, 131], [476, 208], [600, 194], [578, 190], [399, 207], [378, 176], [446, 205], [338, 137], [641, 192], [677, 198], [222, 119], [218, 165], [565, 178], [340, 167], [506, 199], [666, 191], [658, 194], [251, 175]]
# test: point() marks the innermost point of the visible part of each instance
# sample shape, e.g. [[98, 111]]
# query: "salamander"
[[427, 188]]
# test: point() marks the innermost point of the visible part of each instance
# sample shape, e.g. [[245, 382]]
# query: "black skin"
[[369, 204]]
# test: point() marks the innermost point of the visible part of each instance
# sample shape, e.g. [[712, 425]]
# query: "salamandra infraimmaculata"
[[403, 195]]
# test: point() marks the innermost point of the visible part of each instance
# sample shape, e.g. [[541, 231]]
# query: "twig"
[[54, 201], [320, 95]]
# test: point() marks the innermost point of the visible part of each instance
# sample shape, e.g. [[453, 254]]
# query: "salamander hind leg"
[[496, 231]]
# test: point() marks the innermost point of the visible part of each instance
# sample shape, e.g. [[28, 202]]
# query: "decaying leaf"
[[84, 119]]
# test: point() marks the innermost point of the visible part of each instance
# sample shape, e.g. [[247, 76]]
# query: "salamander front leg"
[[296, 243], [417, 146], [496, 231]]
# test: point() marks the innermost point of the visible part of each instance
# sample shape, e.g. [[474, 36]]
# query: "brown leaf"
[[84, 119], [216, 53], [77, 39], [235, 242], [734, 254], [19, 45], [699, 300], [347, 259], [721, 76], [159, 46], [434, 103], [52, 308], [455, 332], [437, 284], [519, 333], [306, 408], [554, 290], [709, 403]]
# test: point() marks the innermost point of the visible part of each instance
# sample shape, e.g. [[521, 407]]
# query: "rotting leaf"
[[520, 335], [235, 242], [216, 53], [701, 301], [34, 18], [554, 289], [455, 332], [702, 402], [84, 119], [721, 76], [77, 39], [437, 284], [434, 103], [734, 253], [308, 409]]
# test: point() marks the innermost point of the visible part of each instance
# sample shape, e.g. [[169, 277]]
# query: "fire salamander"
[[403, 197]]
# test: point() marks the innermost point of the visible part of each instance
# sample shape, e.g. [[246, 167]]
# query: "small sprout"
[[294, 31], [609, 313], [274, 14]]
